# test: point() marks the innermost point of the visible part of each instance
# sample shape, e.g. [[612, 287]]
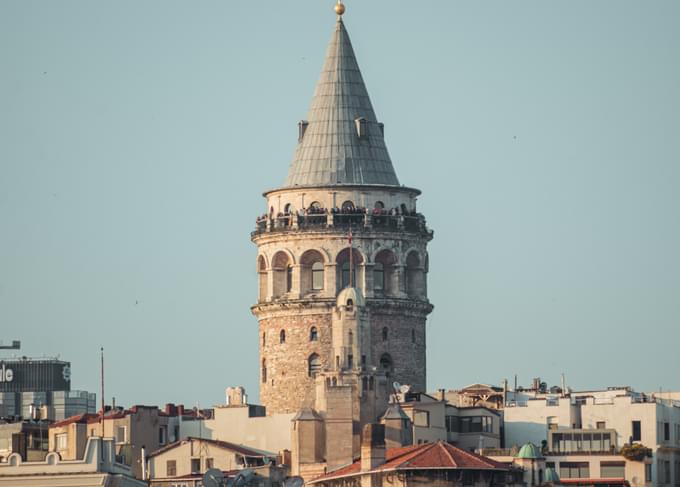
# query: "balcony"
[[356, 221]]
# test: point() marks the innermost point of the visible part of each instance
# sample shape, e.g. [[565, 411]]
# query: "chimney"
[[442, 395], [372, 447]]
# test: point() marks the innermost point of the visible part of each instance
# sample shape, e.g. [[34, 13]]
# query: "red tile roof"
[[80, 418], [608, 481], [439, 455]]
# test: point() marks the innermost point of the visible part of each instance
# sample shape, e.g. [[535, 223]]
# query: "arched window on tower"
[[386, 363], [413, 335], [282, 336], [264, 371], [264, 338], [378, 277], [385, 333], [348, 205], [350, 338], [313, 365], [313, 334], [317, 276]]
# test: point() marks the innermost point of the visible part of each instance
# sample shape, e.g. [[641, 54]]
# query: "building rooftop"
[[240, 449], [439, 455], [341, 142]]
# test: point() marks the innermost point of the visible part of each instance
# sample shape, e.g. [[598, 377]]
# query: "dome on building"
[[529, 451], [551, 476], [350, 296]]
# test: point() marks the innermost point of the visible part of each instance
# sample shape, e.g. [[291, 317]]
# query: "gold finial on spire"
[[339, 8]]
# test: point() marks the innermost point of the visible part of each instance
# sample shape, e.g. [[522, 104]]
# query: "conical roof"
[[341, 142]]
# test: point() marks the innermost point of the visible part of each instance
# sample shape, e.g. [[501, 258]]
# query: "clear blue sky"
[[136, 139]]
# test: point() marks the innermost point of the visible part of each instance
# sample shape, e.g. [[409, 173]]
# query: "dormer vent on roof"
[[302, 128], [361, 124], [342, 141]]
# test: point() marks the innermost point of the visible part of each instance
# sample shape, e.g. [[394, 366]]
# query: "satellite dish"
[[404, 389], [243, 477], [396, 386], [293, 482], [213, 478]]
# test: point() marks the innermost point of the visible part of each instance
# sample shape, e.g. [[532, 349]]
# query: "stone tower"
[[342, 260]]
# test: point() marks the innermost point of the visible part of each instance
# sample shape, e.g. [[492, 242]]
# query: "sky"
[[136, 139]]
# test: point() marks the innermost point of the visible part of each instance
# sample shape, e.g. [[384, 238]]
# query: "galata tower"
[[341, 254]]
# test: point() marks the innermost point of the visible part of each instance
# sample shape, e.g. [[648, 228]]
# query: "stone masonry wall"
[[288, 386], [408, 356]]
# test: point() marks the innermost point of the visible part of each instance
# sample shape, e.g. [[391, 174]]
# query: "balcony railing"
[[356, 221]]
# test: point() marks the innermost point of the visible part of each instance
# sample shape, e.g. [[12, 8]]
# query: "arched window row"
[[391, 274]]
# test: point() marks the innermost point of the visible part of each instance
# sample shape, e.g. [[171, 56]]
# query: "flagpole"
[[351, 256]]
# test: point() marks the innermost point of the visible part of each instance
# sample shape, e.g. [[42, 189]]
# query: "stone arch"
[[343, 268], [313, 365], [414, 275], [312, 272], [262, 277], [385, 277], [282, 273]]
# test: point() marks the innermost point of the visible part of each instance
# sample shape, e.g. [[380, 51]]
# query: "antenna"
[[213, 478], [103, 402]]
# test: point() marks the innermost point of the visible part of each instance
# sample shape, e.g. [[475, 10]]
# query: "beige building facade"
[[97, 467]]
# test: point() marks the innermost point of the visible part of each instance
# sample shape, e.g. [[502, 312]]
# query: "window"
[[282, 336], [350, 338], [195, 465], [264, 339], [345, 274], [648, 472], [385, 333], [289, 278], [317, 276], [378, 276], [313, 334], [315, 205], [637, 431], [575, 470], [667, 471], [313, 365], [386, 363], [612, 469], [62, 441], [413, 335], [421, 418], [121, 435], [170, 468], [288, 208], [379, 205], [667, 432], [162, 435], [348, 205], [453, 424], [350, 361], [600, 425], [264, 371]]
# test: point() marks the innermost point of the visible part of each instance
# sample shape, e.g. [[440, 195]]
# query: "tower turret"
[[342, 257]]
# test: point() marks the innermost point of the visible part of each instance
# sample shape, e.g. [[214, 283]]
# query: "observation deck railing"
[[358, 222]]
